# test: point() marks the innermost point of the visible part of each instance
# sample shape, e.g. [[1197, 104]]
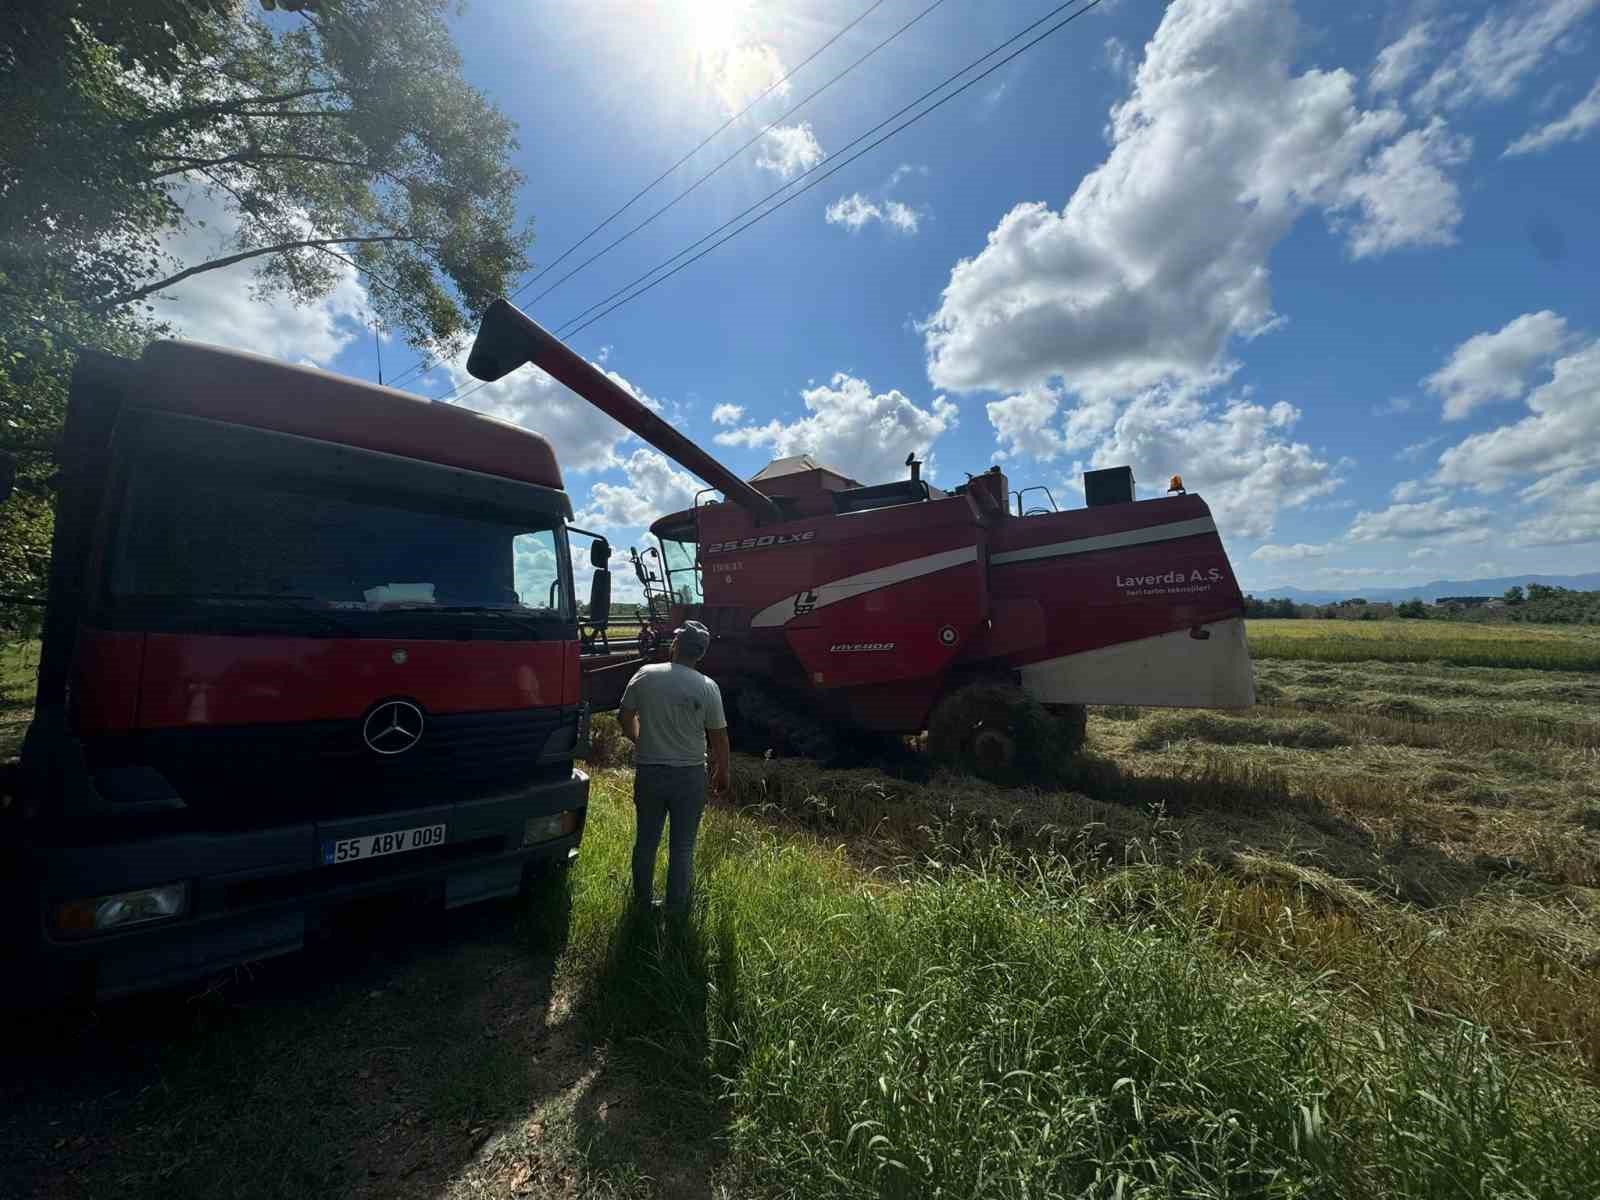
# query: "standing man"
[[672, 713]]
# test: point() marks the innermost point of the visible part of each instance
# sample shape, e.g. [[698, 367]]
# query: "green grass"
[[1543, 648], [19, 661], [1027, 1024]]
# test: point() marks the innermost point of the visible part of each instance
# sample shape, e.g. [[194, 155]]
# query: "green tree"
[[1514, 595], [1412, 609], [335, 137]]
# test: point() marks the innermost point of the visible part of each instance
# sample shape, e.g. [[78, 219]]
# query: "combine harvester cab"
[[898, 607]]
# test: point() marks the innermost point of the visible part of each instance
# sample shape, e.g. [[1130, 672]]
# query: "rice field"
[[1455, 643]]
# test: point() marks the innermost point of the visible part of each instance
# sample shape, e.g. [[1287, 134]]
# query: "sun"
[[713, 26]]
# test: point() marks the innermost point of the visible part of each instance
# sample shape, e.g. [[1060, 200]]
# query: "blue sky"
[[1333, 263]]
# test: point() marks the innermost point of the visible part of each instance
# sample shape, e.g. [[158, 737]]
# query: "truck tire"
[[998, 732]]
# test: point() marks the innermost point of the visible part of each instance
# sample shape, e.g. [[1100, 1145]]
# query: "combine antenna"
[[916, 467], [377, 344]]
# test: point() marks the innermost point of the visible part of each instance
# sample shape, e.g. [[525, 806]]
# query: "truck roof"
[[251, 389]]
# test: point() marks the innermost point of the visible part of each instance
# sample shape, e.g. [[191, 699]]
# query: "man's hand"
[[717, 743], [628, 718]]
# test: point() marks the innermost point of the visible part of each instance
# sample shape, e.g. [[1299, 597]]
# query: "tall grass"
[[1008, 1027]]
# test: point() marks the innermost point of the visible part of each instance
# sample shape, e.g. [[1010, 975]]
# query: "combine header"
[[838, 608]]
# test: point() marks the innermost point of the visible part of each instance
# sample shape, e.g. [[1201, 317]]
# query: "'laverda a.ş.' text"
[[1209, 575]]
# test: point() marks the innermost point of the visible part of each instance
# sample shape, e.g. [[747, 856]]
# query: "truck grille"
[[324, 768]]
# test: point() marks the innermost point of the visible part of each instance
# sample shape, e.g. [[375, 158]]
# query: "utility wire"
[[681, 196], [1020, 50], [425, 363], [831, 160]]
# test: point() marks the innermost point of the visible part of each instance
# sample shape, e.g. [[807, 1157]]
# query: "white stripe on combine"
[[1108, 541], [868, 581]]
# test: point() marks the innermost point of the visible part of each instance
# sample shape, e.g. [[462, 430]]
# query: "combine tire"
[[998, 732]]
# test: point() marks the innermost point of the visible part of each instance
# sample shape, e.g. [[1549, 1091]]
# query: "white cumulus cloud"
[[853, 429], [1502, 50], [1561, 430], [855, 212], [1497, 366], [1440, 519], [1573, 517], [221, 307], [1160, 257], [787, 150], [1298, 551], [583, 437], [1401, 59], [1576, 125], [1405, 193], [727, 414], [1237, 454], [653, 487]]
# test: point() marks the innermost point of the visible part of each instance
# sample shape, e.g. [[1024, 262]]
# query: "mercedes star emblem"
[[398, 657], [393, 727]]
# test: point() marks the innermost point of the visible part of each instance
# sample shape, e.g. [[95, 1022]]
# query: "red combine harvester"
[[838, 608]]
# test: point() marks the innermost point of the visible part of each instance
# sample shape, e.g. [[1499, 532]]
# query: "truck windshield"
[[683, 574], [219, 541]]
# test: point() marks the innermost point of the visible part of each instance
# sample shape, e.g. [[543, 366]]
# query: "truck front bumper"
[[252, 893]]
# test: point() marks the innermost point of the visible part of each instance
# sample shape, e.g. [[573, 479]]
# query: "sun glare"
[[714, 26]]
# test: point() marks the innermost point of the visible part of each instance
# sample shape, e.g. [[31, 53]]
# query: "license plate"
[[376, 845]]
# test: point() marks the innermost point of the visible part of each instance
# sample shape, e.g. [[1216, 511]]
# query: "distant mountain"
[[1429, 591]]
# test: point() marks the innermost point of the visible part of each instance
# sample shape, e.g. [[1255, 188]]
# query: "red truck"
[[305, 640]]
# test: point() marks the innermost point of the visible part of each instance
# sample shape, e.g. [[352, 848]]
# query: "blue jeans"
[[661, 793]]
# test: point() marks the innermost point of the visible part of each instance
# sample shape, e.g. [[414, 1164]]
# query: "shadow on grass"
[[378, 1062], [664, 985]]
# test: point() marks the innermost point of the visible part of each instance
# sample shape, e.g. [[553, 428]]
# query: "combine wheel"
[[998, 732]]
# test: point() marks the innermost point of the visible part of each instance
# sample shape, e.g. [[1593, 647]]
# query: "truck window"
[[214, 537], [683, 573]]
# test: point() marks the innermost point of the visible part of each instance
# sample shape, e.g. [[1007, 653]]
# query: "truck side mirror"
[[8, 476], [600, 554]]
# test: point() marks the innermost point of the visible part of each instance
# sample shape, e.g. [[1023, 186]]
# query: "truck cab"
[[306, 640]]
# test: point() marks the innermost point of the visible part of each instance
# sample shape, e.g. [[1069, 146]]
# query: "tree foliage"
[[336, 138]]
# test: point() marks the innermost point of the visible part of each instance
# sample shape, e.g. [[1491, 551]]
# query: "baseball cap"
[[693, 637]]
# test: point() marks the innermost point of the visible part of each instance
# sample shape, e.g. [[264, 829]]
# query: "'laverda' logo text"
[[1209, 575], [858, 647], [760, 543]]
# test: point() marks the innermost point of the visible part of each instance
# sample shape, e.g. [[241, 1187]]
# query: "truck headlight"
[[120, 910], [542, 829]]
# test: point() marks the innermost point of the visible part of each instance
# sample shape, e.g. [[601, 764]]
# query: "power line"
[[425, 362], [1020, 50], [681, 196], [577, 323]]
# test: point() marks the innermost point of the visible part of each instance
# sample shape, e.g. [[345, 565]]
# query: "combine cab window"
[[683, 573]]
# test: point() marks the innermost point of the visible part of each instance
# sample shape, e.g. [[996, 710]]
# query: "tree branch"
[[250, 156], [224, 107], [244, 256]]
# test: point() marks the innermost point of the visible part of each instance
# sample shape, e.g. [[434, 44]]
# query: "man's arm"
[[717, 741], [628, 718]]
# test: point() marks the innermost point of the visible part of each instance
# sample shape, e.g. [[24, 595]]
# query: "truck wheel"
[[998, 732]]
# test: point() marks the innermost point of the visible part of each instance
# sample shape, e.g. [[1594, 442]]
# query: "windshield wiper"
[[309, 605]]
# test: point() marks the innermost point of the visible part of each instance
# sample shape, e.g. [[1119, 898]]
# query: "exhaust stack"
[[508, 337]]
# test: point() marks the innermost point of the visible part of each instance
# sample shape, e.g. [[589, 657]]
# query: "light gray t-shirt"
[[676, 705]]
